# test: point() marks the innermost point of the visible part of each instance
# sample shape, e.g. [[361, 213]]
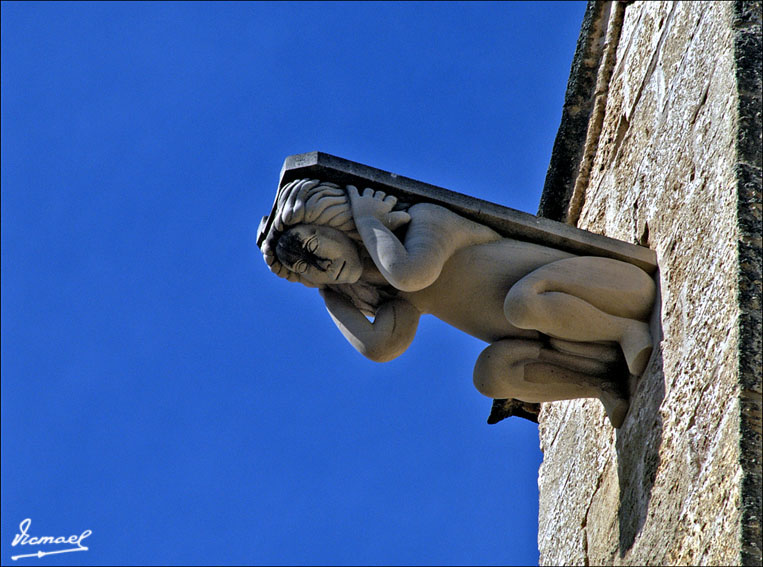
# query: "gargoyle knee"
[[499, 370], [522, 304]]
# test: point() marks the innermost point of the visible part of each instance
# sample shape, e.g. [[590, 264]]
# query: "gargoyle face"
[[320, 254]]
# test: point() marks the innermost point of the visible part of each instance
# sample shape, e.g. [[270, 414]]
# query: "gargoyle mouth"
[[339, 273]]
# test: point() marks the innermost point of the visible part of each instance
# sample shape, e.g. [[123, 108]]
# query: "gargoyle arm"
[[434, 234], [387, 337]]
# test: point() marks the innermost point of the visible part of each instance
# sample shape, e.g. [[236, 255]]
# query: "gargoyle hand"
[[378, 205]]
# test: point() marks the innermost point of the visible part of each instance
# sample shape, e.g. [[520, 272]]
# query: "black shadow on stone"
[[638, 442]]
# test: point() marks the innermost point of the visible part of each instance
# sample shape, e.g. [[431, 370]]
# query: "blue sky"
[[160, 387]]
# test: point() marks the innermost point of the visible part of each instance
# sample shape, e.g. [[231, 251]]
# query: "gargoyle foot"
[[637, 347], [615, 403]]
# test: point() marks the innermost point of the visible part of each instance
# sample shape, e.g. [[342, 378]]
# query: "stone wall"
[[669, 158]]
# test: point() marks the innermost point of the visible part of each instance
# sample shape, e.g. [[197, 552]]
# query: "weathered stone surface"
[[578, 103], [676, 167], [748, 54]]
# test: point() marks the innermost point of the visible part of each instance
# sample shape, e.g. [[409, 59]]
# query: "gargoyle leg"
[[587, 299], [529, 371]]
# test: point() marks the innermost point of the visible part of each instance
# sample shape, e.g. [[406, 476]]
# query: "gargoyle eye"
[[300, 267]]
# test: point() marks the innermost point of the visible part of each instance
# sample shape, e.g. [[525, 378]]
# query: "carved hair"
[[310, 201]]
